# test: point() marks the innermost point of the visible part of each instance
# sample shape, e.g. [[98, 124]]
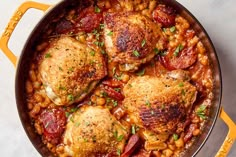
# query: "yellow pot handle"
[[231, 136], [12, 25]]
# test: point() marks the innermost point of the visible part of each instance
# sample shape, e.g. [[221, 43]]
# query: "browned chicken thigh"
[[70, 70], [158, 104], [131, 39], [93, 131]]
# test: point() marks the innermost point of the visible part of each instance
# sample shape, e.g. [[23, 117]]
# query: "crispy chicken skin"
[[158, 104], [130, 39], [70, 70], [94, 131]]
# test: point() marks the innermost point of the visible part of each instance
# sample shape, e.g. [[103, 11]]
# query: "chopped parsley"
[[115, 103], [156, 51], [143, 43], [201, 111], [67, 114], [147, 103], [118, 77], [136, 53], [92, 53], [110, 33], [164, 29], [181, 84], [120, 138], [100, 44], [141, 72], [70, 97], [48, 55], [117, 89], [73, 109], [175, 137], [172, 29], [118, 152], [163, 53], [97, 10], [102, 25], [133, 129], [178, 49]]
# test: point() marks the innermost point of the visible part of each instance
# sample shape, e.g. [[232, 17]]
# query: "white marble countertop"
[[218, 18]]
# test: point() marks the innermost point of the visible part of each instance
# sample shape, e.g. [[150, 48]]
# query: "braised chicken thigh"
[[92, 131], [70, 70], [158, 104], [131, 39]]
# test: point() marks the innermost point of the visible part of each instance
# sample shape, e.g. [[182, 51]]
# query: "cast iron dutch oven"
[[22, 64]]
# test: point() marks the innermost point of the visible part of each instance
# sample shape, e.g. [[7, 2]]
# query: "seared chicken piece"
[[94, 131], [131, 39], [70, 70], [158, 104]]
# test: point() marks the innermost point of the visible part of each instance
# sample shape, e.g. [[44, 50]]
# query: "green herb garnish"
[[70, 97], [48, 55], [102, 25], [115, 103], [141, 72], [110, 33], [172, 29], [92, 53], [147, 103], [178, 49], [181, 84], [156, 51], [143, 43], [175, 137], [118, 152], [133, 129], [201, 111], [120, 138], [97, 10], [136, 53]]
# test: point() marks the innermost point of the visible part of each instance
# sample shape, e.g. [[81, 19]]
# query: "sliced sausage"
[[133, 143], [164, 15], [114, 94], [53, 122], [88, 20], [184, 59]]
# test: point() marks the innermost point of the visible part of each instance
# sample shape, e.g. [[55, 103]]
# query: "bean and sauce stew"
[[126, 78]]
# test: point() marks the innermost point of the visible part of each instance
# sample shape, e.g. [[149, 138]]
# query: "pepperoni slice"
[[184, 59], [88, 20], [164, 15], [53, 122]]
